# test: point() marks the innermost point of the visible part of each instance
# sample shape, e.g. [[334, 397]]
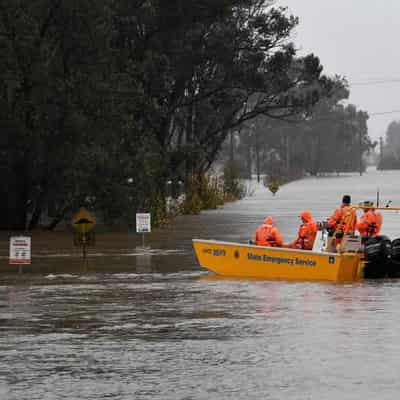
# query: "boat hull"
[[250, 261]]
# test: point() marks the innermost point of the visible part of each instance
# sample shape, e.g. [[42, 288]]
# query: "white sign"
[[20, 250], [143, 223]]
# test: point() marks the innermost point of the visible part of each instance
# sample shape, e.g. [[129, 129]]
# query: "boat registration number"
[[215, 252]]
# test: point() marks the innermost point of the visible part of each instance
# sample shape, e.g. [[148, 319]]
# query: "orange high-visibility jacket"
[[370, 223], [379, 221], [306, 235], [268, 234], [344, 219]]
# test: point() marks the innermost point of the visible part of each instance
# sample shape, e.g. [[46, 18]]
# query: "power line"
[[378, 82], [375, 82], [384, 112]]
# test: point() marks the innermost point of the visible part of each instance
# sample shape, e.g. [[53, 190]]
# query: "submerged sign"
[[20, 250], [143, 223]]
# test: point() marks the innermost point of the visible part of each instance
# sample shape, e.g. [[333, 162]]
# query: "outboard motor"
[[396, 251], [394, 271], [378, 252]]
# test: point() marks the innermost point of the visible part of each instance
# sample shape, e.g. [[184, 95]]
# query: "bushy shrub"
[[234, 188], [202, 192]]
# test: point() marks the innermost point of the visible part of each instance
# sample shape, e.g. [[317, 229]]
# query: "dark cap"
[[346, 199]]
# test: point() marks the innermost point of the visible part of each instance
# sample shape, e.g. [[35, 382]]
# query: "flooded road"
[[134, 324]]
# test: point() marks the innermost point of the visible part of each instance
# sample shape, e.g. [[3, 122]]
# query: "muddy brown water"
[[151, 324]]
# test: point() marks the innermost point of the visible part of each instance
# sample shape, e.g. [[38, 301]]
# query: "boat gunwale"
[[270, 248]]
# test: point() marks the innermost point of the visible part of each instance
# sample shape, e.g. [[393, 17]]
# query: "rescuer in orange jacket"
[[379, 221], [306, 234], [344, 219], [342, 222], [268, 234], [370, 222]]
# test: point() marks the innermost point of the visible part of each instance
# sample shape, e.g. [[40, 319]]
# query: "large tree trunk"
[[37, 212], [57, 219], [20, 206]]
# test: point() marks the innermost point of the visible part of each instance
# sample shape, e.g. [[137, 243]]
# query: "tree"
[[52, 71], [329, 137], [390, 159], [99, 98]]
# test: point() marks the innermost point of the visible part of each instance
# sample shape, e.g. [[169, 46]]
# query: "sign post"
[[20, 251], [83, 222], [143, 224]]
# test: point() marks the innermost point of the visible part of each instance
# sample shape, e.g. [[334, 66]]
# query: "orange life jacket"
[[370, 223], [268, 235], [344, 219], [306, 235], [379, 221]]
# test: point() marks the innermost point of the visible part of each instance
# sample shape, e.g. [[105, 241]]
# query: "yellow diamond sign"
[[83, 220]]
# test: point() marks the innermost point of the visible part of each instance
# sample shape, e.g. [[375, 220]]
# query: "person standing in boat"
[[306, 234], [342, 222], [268, 234], [370, 222]]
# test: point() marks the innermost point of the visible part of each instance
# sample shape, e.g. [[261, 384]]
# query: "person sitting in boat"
[[268, 234], [306, 234], [370, 222], [342, 222]]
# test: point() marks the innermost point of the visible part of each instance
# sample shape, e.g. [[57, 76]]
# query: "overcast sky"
[[357, 39]]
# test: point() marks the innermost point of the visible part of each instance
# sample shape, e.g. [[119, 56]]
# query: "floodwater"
[[151, 324]]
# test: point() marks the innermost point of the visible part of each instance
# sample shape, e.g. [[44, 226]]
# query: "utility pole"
[[287, 154], [360, 143], [231, 149], [380, 152], [257, 153]]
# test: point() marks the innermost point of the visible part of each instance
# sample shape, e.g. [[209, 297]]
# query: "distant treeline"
[[390, 149], [102, 102], [332, 138]]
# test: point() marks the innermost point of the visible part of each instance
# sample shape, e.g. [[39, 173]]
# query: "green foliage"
[[203, 192], [330, 137], [234, 188], [390, 157], [102, 102], [273, 184]]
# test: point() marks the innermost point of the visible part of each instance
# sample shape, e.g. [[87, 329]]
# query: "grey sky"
[[356, 39]]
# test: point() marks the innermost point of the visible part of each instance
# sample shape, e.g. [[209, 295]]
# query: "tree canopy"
[[330, 138], [390, 157], [102, 102]]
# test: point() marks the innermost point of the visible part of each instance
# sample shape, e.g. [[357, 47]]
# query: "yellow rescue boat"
[[251, 261], [376, 257]]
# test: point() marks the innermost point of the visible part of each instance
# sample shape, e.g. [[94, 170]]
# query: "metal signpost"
[[83, 222], [143, 224], [20, 251]]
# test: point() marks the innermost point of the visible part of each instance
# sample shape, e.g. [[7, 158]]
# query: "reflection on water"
[[134, 324]]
